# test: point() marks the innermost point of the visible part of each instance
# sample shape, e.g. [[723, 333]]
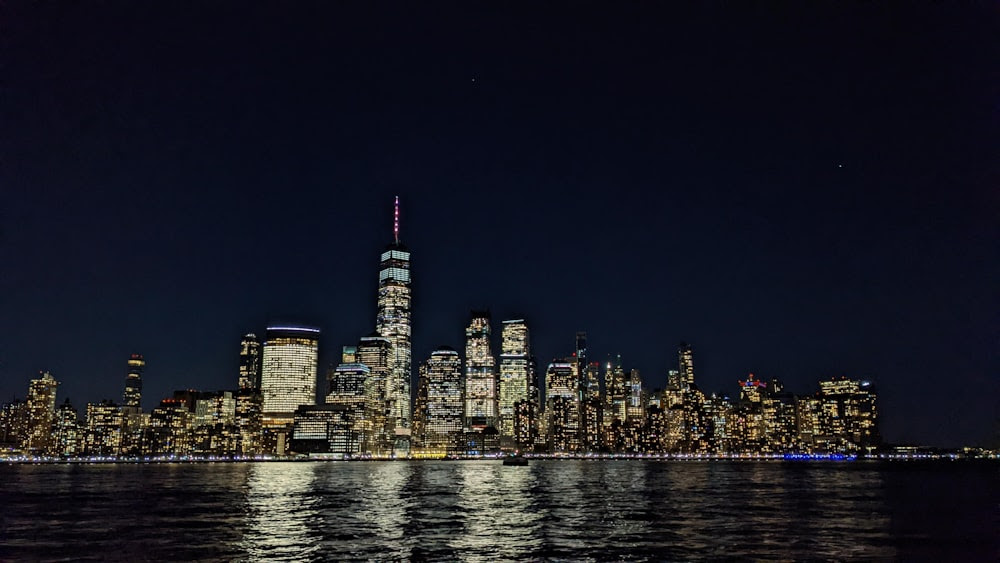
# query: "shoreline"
[[769, 458]]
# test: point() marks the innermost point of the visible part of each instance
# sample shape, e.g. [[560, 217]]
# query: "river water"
[[484, 511]]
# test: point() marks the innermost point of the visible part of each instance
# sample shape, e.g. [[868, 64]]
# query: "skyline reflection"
[[478, 511]]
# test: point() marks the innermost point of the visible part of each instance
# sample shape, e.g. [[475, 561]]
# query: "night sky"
[[798, 194]]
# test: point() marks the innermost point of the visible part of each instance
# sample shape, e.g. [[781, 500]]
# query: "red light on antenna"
[[395, 221]]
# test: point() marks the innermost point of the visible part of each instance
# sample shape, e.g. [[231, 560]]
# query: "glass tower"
[[132, 397], [249, 362], [516, 372], [685, 360], [41, 413], [616, 392], [480, 374], [375, 352], [288, 374], [562, 405], [445, 405], [393, 323]]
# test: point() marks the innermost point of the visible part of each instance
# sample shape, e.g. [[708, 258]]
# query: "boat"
[[515, 460]]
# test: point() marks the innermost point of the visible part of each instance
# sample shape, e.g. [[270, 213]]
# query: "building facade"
[[445, 402], [516, 373], [249, 362], [288, 372], [393, 323], [480, 374], [41, 414]]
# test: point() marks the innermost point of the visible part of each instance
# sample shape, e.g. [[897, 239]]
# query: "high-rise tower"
[[616, 391], [443, 374], [249, 362], [375, 352], [685, 360], [41, 413], [480, 374], [131, 412], [288, 374], [562, 405], [132, 397], [516, 372], [393, 324], [249, 401]]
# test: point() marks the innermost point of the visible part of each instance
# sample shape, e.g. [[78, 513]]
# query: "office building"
[[445, 402], [288, 372], [375, 352], [685, 360], [132, 417], [41, 414], [393, 323], [348, 388], [615, 391], [480, 374], [132, 396], [68, 432], [517, 374], [249, 362], [562, 406], [249, 421], [104, 429], [330, 429], [635, 409], [849, 415]]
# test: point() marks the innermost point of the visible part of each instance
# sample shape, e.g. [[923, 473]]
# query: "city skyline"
[[301, 375], [649, 176]]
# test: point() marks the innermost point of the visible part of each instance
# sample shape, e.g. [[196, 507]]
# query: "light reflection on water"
[[483, 511], [280, 511]]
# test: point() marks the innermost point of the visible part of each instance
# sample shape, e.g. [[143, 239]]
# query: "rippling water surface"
[[483, 511]]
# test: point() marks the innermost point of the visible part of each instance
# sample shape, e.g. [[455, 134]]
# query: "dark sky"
[[801, 193]]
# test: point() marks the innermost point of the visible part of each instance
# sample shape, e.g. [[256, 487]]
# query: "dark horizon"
[[800, 194]]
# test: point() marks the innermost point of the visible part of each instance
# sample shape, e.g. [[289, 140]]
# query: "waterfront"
[[481, 510]]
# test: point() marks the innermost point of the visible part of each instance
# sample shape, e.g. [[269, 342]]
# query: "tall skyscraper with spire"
[[393, 323]]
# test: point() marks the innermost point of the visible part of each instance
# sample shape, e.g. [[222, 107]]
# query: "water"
[[483, 511]]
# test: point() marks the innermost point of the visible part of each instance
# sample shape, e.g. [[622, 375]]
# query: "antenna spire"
[[395, 221]]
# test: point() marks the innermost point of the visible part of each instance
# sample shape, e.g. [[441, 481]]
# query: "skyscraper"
[[480, 374], [393, 323], [41, 414], [288, 374], [516, 372], [249, 401], [445, 405], [562, 405], [419, 424], [685, 360], [104, 428], [132, 417], [635, 410], [591, 407], [581, 349], [68, 433], [347, 388], [132, 396], [616, 392], [375, 352], [249, 362], [849, 415]]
